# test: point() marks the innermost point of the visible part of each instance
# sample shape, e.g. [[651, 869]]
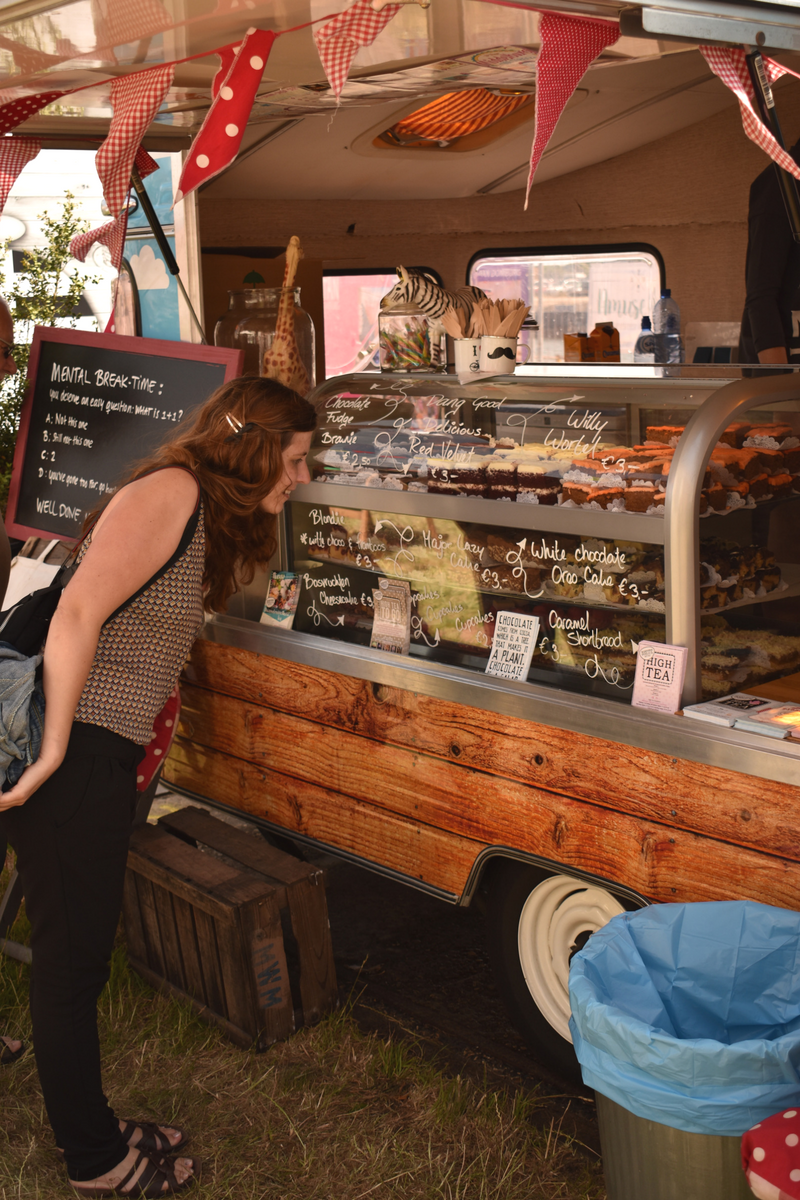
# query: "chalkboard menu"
[[96, 404]]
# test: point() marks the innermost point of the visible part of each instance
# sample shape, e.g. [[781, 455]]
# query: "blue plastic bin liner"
[[689, 1014]]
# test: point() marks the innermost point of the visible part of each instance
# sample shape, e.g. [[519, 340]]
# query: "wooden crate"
[[245, 937]]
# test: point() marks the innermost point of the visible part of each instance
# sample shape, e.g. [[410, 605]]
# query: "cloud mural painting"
[[149, 272]]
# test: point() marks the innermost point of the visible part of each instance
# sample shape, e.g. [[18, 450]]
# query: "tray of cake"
[[631, 574], [750, 464]]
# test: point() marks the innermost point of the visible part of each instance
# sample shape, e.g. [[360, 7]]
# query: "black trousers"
[[71, 840]]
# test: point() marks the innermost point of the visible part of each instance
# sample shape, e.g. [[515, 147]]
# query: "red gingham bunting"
[[568, 45], [144, 164], [339, 40], [164, 727], [771, 1157], [112, 235], [136, 99], [731, 67], [15, 112], [121, 22], [14, 154], [220, 136]]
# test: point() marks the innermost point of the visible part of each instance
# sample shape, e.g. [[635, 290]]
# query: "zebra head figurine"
[[414, 287]]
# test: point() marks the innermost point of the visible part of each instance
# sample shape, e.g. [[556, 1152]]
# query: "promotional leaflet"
[[513, 644], [281, 602], [660, 671], [391, 627]]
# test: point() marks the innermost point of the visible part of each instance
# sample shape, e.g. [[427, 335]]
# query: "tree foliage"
[[46, 292]]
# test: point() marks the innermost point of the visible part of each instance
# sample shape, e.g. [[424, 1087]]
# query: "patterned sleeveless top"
[[144, 644]]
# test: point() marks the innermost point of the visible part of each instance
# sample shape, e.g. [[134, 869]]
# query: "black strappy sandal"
[[150, 1183], [152, 1140]]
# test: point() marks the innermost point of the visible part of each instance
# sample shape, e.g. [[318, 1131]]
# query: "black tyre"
[[536, 922]]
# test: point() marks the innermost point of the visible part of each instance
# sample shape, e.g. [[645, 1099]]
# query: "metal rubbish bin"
[[686, 1022]]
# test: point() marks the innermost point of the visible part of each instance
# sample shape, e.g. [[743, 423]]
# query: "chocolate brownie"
[[663, 433], [780, 485], [735, 434], [759, 486], [717, 496]]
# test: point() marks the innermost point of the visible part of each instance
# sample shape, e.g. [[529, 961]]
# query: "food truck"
[[610, 505]]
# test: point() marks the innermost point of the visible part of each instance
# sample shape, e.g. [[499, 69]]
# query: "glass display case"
[[588, 504]]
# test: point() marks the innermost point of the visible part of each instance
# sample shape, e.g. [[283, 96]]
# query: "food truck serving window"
[[570, 289]]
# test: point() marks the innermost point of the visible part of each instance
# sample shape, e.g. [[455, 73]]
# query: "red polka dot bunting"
[[164, 728], [771, 1157], [226, 56], [17, 111], [568, 45], [14, 154], [220, 136]]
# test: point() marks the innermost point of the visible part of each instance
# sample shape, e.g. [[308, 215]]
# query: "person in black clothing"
[[771, 320]]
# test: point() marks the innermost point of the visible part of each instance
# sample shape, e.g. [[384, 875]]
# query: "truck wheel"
[[536, 923]]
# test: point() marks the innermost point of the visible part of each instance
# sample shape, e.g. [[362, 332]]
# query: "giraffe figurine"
[[282, 361]]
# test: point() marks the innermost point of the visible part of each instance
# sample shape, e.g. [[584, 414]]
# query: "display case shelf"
[[635, 527], [472, 546]]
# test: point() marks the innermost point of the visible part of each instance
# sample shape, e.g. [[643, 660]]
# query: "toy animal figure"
[[413, 287], [282, 361]]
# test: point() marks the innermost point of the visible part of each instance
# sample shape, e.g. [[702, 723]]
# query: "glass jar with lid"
[[410, 340], [251, 322]]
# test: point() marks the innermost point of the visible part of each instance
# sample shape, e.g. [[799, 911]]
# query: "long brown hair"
[[236, 470]]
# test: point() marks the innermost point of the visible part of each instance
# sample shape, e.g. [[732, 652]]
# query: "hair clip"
[[238, 428]]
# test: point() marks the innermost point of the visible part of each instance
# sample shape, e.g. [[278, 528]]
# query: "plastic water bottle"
[[645, 349], [667, 322]]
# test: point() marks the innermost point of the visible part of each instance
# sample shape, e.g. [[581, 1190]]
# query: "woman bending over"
[[193, 522]]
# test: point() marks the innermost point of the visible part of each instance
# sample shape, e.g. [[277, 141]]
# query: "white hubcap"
[[555, 914]]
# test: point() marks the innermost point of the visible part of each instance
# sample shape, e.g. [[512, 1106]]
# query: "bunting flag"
[[135, 99], [227, 54], [126, 22], [164, 729], [731, 67], [112, 234], [220, 136], [14, 154], [771, 1158], [340, 39], [568, 45], [29, 61], [16, 111]]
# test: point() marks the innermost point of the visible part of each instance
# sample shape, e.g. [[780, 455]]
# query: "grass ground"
[[335, 1113]]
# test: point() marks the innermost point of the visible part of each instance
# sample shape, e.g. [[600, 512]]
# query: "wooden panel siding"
[[422, 786], [728, 805], [660, 863]]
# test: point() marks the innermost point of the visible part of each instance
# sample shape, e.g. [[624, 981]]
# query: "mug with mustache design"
[[499, 354]]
